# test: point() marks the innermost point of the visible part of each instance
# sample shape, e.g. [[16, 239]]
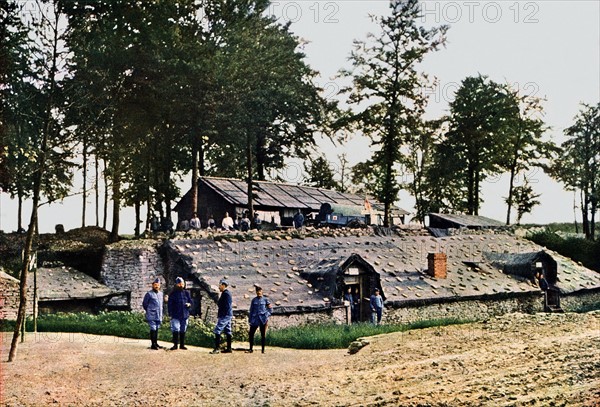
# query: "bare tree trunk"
[[116, 196], [194, 174], [250, 178], [105, 209], [84, 194], [509, 200], [20, 210], [470, 189], [575, 210], [584, 214], [97, 191], [476, 194], [138, 211]]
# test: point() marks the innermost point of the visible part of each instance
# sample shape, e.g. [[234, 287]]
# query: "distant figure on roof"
[[211, 222], [376, 307], [258, 317], [184, 225], [298, 219], [166, 225], [195, 222], [154, 224], [245, 223], [227, 223], [257, 222]]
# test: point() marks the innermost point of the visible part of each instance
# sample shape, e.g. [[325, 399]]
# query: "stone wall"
[[131, 265], [9, 297], [581, 301], [471, 310], [208, 313]]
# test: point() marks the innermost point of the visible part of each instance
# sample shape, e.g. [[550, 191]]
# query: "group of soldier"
[[179, 303]]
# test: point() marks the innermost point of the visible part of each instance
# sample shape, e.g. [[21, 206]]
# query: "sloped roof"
[[467, 220], [65, 283], [281, 195], [401, 262], [6, 276]]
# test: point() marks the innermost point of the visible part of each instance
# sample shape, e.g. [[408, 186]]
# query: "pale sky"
[[549, 48]]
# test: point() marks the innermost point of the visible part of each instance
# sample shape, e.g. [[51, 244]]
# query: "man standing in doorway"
[[376, 307], [153, 305], [224, 317]]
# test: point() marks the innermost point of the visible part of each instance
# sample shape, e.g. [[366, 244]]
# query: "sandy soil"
[[514, 360]]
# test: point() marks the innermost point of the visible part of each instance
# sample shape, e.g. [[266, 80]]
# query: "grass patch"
[[332, 336], [133, 325]]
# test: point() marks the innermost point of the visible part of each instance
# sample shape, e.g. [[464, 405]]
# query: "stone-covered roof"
[[6, 276], [65, 283], [468, 221], [401, 262]]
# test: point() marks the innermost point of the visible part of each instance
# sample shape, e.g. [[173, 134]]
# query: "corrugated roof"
[[280, 195]]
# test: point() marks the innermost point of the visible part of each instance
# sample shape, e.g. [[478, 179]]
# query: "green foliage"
[[319, 174], [479, 125], [523, 199], [333, 336], [578, 166], [385, 78], [580, 250], [133, 325]]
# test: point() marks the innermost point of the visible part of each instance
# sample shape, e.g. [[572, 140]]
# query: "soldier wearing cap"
[[224, 317], [153, 305], [179, 305]]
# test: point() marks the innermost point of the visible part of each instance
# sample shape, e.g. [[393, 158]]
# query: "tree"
[[524, 147], [578, 166], [523, 200], [269, 106], [480, 122], [47, 57], [385, 76], [320, 174], [418, 161]]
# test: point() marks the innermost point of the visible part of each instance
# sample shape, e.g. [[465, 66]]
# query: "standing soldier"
[[224, 317], [179, 305], [153, 305], [258, 317]]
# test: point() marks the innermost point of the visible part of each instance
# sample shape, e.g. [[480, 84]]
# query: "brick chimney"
[[436, 265]]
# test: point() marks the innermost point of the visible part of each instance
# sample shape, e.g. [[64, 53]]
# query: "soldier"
[[153, 305]]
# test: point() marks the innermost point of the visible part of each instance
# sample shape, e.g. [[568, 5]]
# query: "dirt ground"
[[513, 360]]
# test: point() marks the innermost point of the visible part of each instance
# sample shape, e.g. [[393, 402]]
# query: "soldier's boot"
[[217, 344], [182, 341], [228, 350], [153, 338], [175, 340]]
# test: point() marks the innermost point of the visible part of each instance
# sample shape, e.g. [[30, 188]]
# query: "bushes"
[[581, 250], [133, 325]]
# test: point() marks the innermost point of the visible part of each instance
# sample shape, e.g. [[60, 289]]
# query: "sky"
[[550, 49]]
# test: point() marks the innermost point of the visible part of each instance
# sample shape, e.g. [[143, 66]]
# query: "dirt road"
[[514, 360]]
